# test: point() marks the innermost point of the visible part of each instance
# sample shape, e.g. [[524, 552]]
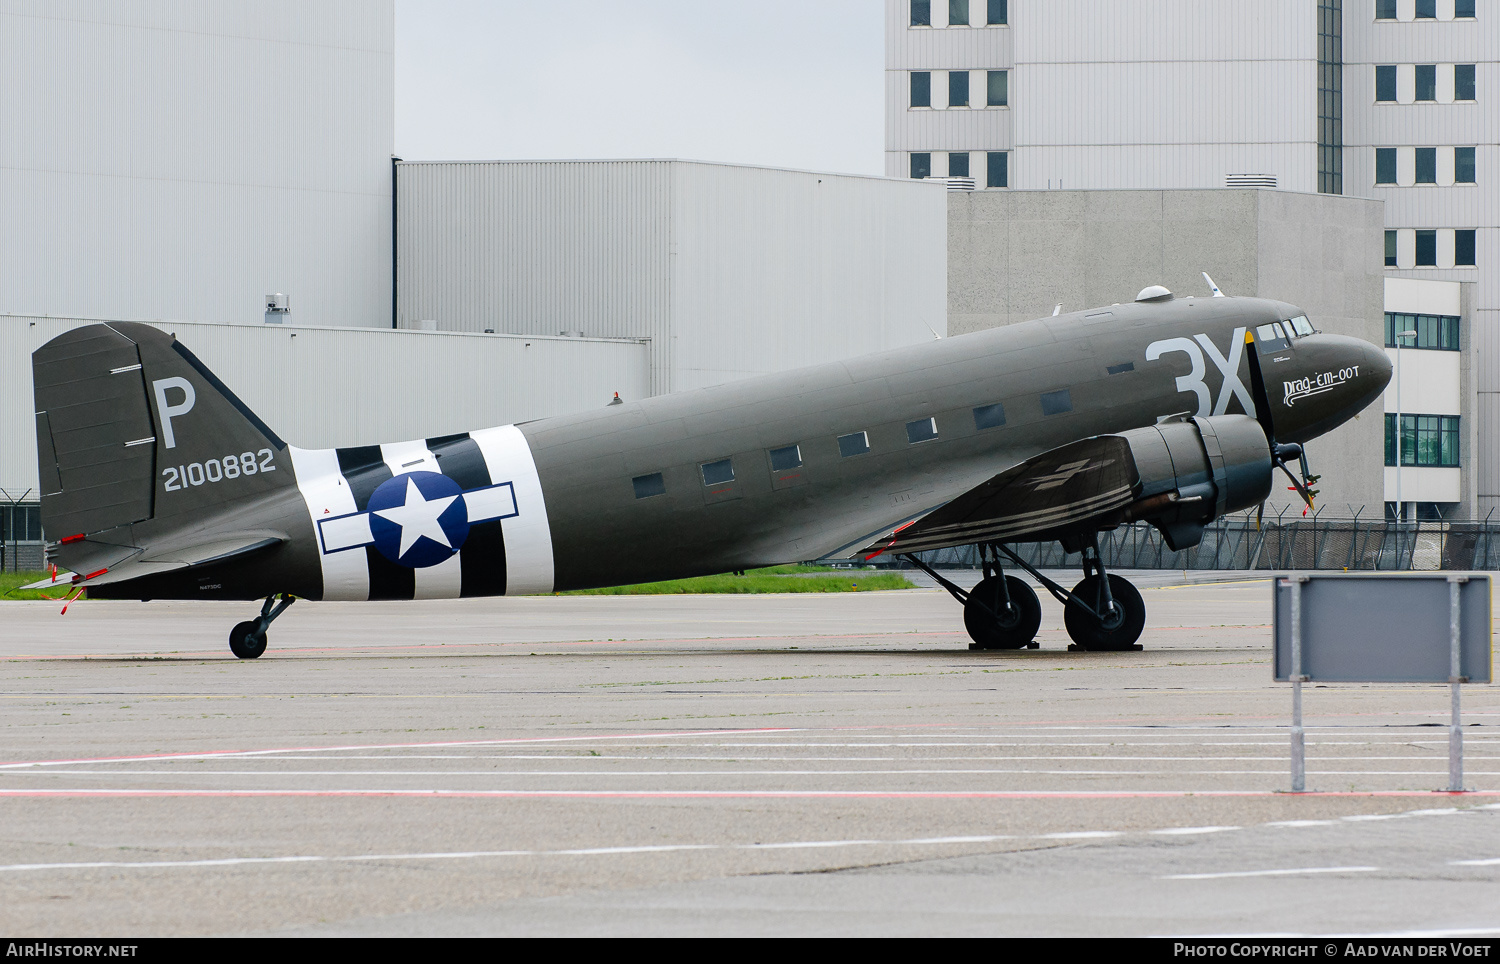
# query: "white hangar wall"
[[180, 159], [321, 387], [729, 270]]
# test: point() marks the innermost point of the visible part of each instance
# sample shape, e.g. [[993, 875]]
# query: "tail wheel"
[[1017, 623], [245, 642], [1121, 625]]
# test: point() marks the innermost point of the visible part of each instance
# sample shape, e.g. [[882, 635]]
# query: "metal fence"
[[20, 534], [1305, 543]]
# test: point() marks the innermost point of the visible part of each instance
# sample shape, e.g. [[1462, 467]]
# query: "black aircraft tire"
[[1015, 628], [245, 642], [1085, 628]]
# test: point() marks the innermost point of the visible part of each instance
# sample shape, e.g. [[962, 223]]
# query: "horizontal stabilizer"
[[153, 561]]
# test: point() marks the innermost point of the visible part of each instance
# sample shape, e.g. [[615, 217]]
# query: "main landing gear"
[[247, 640], [1103, 612]]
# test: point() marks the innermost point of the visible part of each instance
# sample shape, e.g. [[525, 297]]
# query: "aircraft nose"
[[1335, 378]]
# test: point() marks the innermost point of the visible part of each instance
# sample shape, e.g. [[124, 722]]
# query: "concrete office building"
[[1382, 99]]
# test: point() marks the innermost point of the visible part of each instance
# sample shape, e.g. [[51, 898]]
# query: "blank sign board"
[[1374, 627]]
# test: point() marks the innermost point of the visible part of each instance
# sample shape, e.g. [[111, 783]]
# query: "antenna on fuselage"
[[1057, 309], [1212, 287]]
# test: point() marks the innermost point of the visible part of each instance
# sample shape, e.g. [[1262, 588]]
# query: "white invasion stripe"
[[1290, 872], [346, 575], [494, 502], [346, 532], [528, 536], [444, 580], [403, 457], [141, 441]]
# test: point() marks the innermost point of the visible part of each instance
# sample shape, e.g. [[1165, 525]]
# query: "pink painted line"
[[747, 794]]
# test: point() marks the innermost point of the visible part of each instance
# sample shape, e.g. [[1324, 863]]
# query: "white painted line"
[[1185, 831], [808, 844], [661, 848], [1293, 872], [987, 838], [1302, 823], [1083, 835], [1484, 862]]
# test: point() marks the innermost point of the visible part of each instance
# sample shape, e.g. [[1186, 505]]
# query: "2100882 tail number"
[[217, 470]]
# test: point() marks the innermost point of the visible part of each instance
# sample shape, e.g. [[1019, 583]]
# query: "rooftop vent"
[[1250, 180], [1154, 293], [960, 183]]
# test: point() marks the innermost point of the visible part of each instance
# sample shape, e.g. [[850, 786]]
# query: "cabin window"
[[717, 473], [648, 485], [922, 430], [1301, 325], [1058, 402], [857, 443], [989, 416], [786, 458]]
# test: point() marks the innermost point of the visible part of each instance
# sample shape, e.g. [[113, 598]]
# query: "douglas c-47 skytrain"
[[158, 483]]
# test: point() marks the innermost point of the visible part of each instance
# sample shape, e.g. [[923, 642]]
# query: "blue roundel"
[[418, 519]]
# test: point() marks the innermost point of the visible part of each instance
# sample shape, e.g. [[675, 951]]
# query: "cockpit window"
[[1270, 338], [1301, 325]]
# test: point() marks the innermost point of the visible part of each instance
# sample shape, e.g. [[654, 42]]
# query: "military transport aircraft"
[[159, 483]]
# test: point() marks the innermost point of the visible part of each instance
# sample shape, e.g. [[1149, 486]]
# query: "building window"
[[855, 443], [1330, 97], [958, 88], [1385, 84], [922, 430], [1430, 440], [1463, 248], [921, 165], [921, 13], [989, 416], [1426, 9], [1463, 10], [648, 485], [1385, 165], [997, 169], [1057, 403], [1463, 81], [958, 164], [1463, 165], [1437, 332], [1427, 165], [786, 458], [1427, 249], [921, 88], [996, 88], [996, 14], [1385, 9], [1390, 249], [958, 13], [1426, 82]]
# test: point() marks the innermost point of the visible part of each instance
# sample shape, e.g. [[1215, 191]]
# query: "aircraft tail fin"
[[132, 428]]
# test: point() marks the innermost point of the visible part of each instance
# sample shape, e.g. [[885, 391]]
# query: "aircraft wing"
[[1059, 488], [149, 562]]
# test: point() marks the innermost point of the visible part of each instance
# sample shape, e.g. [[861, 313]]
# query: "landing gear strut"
[[1103, 613], [247, 640]]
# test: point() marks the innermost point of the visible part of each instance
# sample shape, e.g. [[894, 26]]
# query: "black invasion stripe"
[[482, 556], [364, 470], [388, 580]]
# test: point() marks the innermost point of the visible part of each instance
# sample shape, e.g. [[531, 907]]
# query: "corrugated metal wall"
[[319, 387], [174, 158], [729, 270]]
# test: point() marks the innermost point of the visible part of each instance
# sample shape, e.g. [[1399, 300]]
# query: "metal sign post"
[[1375, 627]]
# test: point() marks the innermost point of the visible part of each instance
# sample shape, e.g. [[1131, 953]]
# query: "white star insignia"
[[418, 518]]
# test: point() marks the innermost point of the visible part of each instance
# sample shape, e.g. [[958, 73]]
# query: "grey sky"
[[787, 84]]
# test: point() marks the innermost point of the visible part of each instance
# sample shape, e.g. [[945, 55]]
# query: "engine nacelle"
[[1193, 471]]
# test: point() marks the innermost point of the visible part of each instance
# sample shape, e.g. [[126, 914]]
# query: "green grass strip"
[[794, 578], [10, 580]]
